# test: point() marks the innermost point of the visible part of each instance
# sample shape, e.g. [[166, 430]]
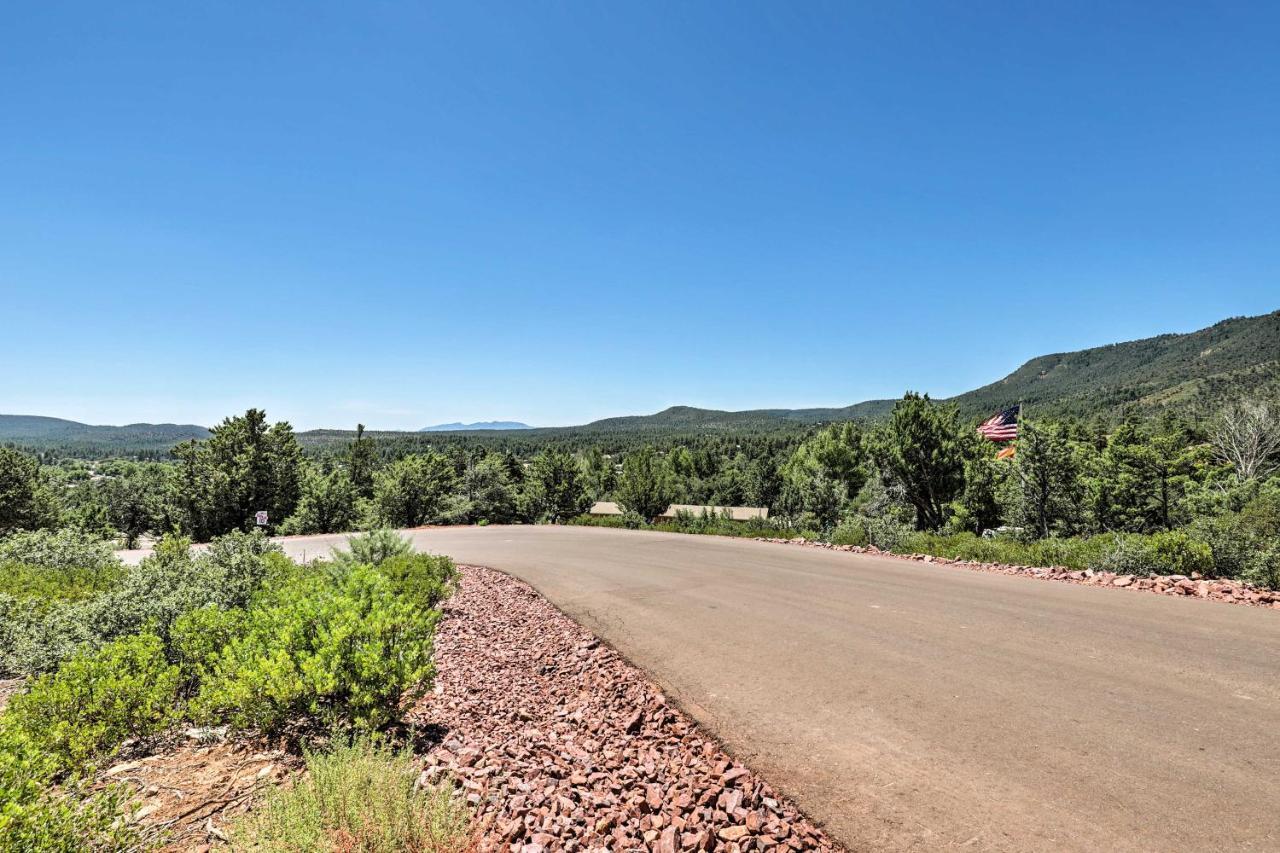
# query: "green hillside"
[[38, 432], [1183, 371], [1198, 369]]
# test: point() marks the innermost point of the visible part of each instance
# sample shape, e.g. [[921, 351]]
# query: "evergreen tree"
[[922, 450], [411, 491], [361, 462], [26, 503], [598, 473], [980, 501], [484, 493], [328, 504], [1049, 473], [644, 486], [242, 468], [553, 488], [135, 501]]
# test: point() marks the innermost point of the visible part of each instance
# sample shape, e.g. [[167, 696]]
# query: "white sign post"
[[261, 518]]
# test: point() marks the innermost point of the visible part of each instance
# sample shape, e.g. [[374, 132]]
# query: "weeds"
[[357, 797]]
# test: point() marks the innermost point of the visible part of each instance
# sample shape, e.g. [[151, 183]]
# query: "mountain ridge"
[[458, 426], [41, 430], [1186, 371]]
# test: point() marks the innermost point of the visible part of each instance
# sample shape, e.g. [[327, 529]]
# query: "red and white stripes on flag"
[[1002, 426]]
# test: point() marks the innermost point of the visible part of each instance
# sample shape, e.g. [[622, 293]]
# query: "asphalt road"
[[920, 707]]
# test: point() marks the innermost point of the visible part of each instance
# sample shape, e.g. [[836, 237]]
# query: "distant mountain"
[[37, 431], [686, 418], [487, 425], [1195, 371]]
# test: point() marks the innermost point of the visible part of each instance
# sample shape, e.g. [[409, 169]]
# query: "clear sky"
[[403, 214]]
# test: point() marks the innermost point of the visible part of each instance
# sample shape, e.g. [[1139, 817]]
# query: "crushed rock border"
[[1195, 586], [558, 743]]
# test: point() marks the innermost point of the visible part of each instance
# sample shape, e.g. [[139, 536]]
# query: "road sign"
[[261, 518]]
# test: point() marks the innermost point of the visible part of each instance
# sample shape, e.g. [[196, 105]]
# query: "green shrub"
[[1176, 553], [1261, 515], [47, 566], [851, 531], [632, 520], [424, 579], [344, 651], [174, 580], [373, 547], [886, 533], [66, 548], [36, 635], [361, 798], [44, 586], [1128, 554], [35, 819], [198, 638], [1075, 553], [1234, 546], [95, 701], [238, 563], [615, 521], [1264, 568]]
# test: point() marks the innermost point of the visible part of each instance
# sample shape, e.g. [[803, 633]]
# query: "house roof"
[[605, 508], [736, 513]]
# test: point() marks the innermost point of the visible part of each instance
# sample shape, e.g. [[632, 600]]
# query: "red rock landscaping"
[[560, 744]]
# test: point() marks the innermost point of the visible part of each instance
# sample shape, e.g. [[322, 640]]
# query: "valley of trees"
[[1209, 487]]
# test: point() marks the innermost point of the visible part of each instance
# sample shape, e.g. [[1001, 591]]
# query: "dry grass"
[[357, 798]]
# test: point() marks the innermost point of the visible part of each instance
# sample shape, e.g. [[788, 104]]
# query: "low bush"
[[619, 522], [1127, 554], [688, 522], [1264, 568], [151, 596], [1174, 552], [372, 548], [35, 636], [1074, 553], [94, 702], [36, 819], [43, 586], [63, 549], [1233, 544], [886, 533], [358, 797], [851, 532], [345, 652], [424, 579], [239, 634], [46, 566], [198, 638]]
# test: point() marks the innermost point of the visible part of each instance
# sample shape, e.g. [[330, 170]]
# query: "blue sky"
[[403, 214]]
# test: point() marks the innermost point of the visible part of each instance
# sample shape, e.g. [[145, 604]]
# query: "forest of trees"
[[924, 469]]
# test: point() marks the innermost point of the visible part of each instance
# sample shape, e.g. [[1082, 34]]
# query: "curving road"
[[918, 707]]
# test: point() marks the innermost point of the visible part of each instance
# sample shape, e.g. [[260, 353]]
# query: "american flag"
[[1002, 426]]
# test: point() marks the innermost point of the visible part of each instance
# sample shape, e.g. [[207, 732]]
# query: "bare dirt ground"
[[187, 792], [8, 687]]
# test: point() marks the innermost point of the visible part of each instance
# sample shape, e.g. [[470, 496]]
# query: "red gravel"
[[1228, 591], [560, 744]]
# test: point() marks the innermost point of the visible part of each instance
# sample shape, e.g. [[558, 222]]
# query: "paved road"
[[917, 707]]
